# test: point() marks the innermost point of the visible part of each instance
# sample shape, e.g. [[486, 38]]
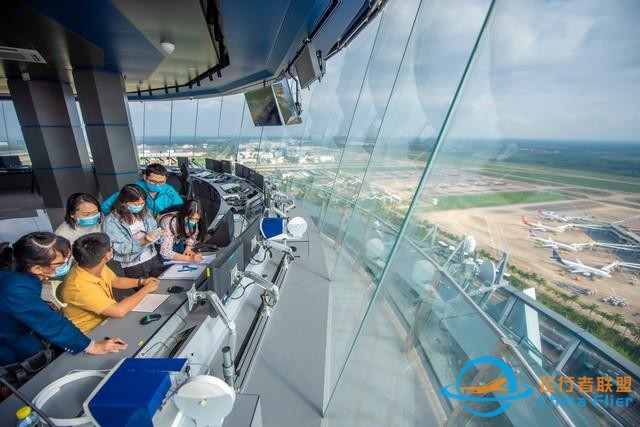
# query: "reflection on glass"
[[11, 139]]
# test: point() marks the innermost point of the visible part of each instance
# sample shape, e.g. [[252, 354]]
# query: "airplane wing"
[[611, 266]]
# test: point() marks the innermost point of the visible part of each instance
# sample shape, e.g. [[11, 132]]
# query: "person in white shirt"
[[82, 217], [133, 231]]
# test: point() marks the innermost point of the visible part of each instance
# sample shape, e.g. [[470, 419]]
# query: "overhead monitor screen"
[[285, 102], [263, 107]]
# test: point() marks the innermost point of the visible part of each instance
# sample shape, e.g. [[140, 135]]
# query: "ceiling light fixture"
[[167, 46]]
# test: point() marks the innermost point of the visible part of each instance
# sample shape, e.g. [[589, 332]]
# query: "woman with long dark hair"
[[81, 217], [181, 230], [133, 231], [28, 323]]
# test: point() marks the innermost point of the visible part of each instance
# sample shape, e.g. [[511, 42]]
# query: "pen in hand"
[[117, 341]]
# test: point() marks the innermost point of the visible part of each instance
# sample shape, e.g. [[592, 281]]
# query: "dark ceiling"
[[221, 46]]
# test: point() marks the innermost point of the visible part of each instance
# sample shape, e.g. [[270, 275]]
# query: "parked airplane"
[[552, 216], [550, 243], [580, 268], [541, 227]]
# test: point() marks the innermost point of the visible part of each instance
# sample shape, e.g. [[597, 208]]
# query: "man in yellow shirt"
[[88, 288]]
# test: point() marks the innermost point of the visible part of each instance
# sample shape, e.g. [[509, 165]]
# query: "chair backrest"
[[56, 286]]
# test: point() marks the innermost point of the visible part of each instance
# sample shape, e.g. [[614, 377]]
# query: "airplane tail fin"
[[555, 255], [525, 221], [531, 233]]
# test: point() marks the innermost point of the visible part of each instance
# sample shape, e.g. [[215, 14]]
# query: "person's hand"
[[150, 284], [188, 251], [111, 345], [196, 258], [151, 237]]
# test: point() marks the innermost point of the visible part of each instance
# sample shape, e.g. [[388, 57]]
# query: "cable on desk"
[[266, 251], [244, 288], [153, 346]]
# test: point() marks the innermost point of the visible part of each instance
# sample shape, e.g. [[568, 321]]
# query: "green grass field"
[[496, 199], [582, 181]]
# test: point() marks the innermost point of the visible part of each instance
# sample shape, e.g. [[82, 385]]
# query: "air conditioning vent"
[[22, 55]]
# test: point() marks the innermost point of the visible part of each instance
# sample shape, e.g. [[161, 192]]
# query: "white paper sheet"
[[149, 303], [206, 259], [178, 271]]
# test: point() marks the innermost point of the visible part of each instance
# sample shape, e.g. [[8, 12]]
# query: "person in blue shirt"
[[160, 195], [25, 318]]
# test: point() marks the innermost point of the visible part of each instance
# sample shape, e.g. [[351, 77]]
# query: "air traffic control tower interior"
[[320, 213]]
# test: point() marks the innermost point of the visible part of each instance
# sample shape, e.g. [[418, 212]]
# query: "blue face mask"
[[63, 269], [190, 224], [88, 221], [135, 208], [154, 187]]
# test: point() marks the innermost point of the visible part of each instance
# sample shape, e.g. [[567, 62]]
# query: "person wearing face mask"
[[133, 231], [29, 325], [87, 290], [160, 196], [82, 217], [181, 230]]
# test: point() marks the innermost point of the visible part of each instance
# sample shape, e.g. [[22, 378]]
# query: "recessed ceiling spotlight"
[[167, 46]]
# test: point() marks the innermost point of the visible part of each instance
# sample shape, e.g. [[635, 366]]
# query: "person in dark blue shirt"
[[160, 195], [25, 318]]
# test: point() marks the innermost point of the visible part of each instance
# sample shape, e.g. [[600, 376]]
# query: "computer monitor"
[[10, 161], [226, 166], [239, 170], [258, 181], [251, 173], [249, 238], [226, 261], [183, 160], [223, 233], [213, 165]]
